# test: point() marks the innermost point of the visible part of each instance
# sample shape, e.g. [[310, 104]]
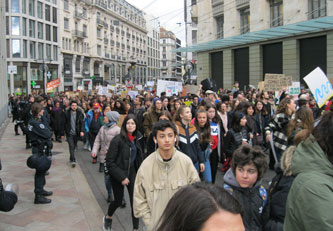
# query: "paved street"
[[75, 205]]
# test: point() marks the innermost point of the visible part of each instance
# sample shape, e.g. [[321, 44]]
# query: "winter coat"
[[157, 181], [278, 193], [89, 118], [58, 121], [233, 140], [252, 199], [79, 123], [103, 139], [119, 155], [189, 142], [310, 200]]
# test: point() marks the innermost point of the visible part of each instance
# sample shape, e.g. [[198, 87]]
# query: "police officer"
[[18, 110], [26, 117], [40, 136]]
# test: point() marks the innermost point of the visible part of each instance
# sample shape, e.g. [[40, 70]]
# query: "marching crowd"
[[167, 151]]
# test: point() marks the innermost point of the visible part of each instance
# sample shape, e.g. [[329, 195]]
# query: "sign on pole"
[[12, 70], [319, 85], [295, 89]]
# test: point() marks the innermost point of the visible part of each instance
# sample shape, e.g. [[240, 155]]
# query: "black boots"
[[46, 193], [40, 199]]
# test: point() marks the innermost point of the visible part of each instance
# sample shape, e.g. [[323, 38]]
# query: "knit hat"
[[155, 99], [96, 105], [113, 116]]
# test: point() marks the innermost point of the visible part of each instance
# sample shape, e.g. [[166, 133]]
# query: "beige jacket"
[[156, 182], [103, 140]]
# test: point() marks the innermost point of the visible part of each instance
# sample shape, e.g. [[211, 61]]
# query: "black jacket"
[[39, 134], [58, 120], [79, 123], [253, 201], [278, 194], [119, 155], [233, 140]]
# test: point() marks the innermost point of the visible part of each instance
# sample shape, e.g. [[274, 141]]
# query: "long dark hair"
[[235, 122], [216, 119], [191, 206], [263, 110], [205, 131], [123, 131]]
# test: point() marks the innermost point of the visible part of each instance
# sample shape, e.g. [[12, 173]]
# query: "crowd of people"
[[161, 147]]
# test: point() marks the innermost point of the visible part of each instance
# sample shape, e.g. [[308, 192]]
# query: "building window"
[[48, 32], [15, 25], [66, 5], [219, 28], [84, 12], [84, 28], [55, 34], [8, 50], [7, 5], [48, 52], [99, 50], [54, 15], [15, 6], [245, 20], [32, 7], [98, 33], [24, 7], [164, 63], [32, 28], [16, 48], [317, 8], [77, 63], [55, 53], [25, 48], [40, 10], [32, 49], [40, 30], [7, 25], [47, 13], [40, 51], [24, 26], [66, 24], [276, 13]]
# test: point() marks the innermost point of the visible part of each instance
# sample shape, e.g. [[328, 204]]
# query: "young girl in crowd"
[[202, 124]]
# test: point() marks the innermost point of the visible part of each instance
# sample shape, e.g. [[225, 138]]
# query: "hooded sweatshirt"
[[310, 200], [252, 199]]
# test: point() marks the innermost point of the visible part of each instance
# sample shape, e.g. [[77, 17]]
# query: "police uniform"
[[40, 136]]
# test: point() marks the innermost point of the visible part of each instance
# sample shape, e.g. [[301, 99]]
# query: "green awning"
[[305, 27]]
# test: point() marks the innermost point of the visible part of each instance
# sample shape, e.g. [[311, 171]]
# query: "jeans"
[[107, 180], [118, 192], [72, 142], [207, 174]]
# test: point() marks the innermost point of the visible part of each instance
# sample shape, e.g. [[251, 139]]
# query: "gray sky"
[[170, 12]]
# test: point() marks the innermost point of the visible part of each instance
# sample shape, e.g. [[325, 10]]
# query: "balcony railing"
[[106, 41], [278, 21], [112, 42], [79, 15], [101, 3], [107, 55], [245, 29], [79, 34]]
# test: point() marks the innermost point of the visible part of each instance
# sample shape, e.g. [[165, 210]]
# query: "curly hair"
[[283, 106], [246, 154]]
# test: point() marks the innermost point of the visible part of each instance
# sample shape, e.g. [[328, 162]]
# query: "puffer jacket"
[[119, 155], [253, 200], [103, 139], [157, 181], [310, 199], [233, 140]]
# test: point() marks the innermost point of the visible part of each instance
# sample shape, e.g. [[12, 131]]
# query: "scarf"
[[131, 138], [109, 124]]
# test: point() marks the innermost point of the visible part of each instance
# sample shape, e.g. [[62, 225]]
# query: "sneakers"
[[107, 224], [73, 164]]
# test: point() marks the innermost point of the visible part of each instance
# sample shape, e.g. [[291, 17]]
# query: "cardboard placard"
[[192, 89], [123, 94], [273, 82], [261, 86]]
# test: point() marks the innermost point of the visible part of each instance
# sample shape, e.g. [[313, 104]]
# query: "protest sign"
[[139, 87], [53, 84], [169, 87], [105, 90], [150, 83], [319, 85], [261, 86], [133, 94], [295, 89], [192, 89], [100, 90], [273, 82], [123, 94]]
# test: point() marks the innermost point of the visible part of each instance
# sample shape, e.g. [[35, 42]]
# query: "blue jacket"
[[89, 117]]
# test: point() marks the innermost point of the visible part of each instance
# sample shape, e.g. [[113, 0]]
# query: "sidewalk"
[[73, 206]]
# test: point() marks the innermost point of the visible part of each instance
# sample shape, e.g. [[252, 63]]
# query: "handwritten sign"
[[53, 84], [319, 85], [273, 82], [295, 89]]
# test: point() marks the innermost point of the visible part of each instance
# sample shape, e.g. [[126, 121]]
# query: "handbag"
[[259, 139]]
